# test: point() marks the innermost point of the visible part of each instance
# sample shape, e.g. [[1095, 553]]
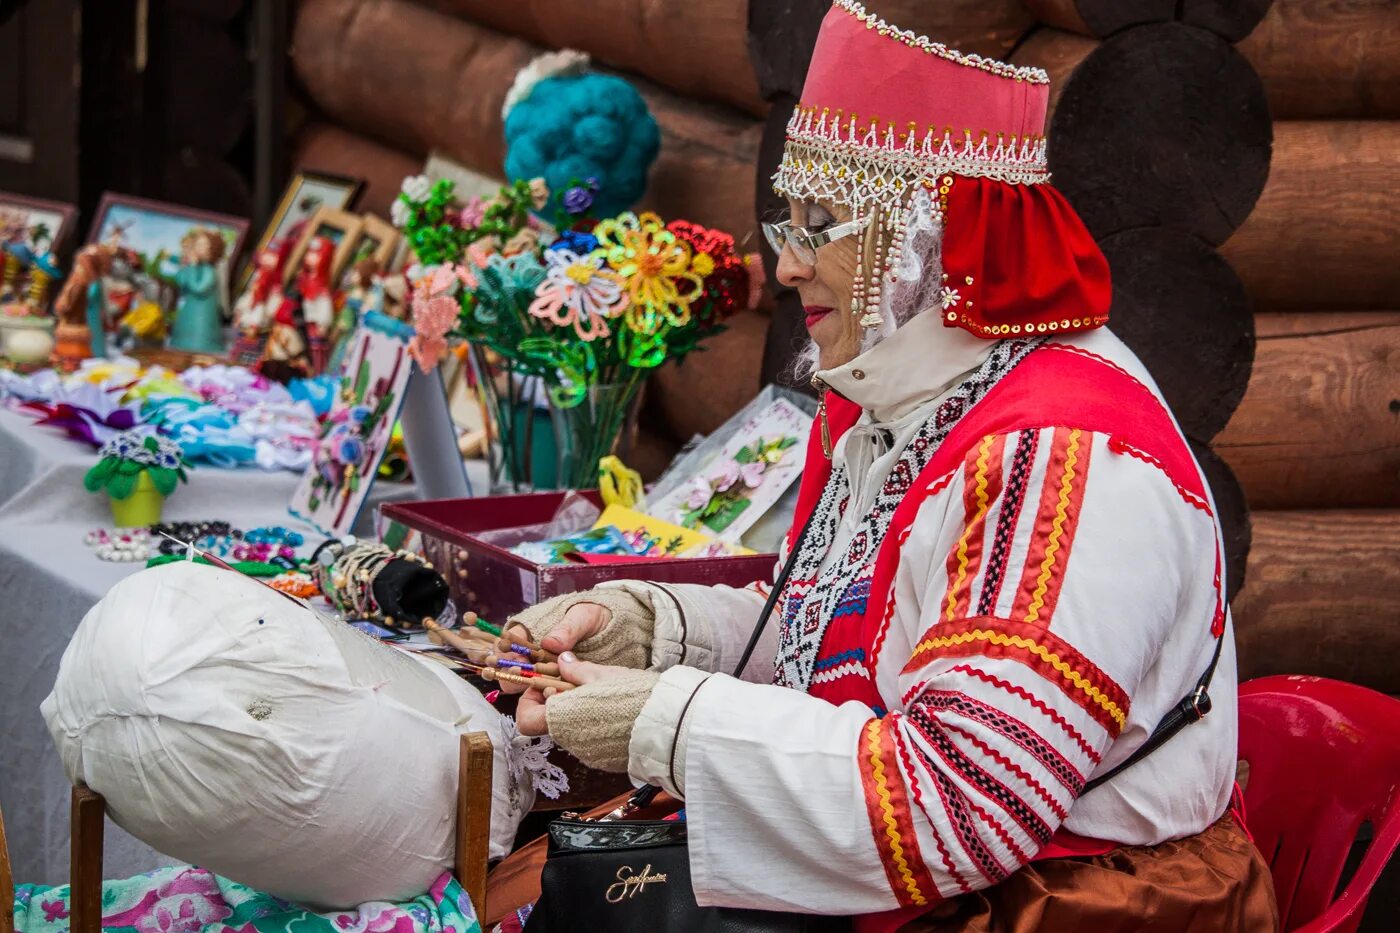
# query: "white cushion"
[[230, 727]]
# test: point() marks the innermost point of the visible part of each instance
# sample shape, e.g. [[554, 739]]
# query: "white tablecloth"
[[48, 581]]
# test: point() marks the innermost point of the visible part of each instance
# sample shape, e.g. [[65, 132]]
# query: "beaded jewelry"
[[122, 545]]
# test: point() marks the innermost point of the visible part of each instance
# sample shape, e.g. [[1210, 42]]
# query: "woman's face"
[[826, 285]]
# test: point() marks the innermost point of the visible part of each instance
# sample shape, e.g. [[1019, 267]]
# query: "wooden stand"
[[7, 884], [88, 822], [88, 819]]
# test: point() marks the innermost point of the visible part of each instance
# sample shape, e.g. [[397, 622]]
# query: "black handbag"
[[629, 872]]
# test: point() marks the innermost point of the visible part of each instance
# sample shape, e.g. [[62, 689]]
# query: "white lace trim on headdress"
[[829, 158]]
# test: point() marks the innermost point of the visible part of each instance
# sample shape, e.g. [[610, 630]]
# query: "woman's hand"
[[594, 720], [608, 626]]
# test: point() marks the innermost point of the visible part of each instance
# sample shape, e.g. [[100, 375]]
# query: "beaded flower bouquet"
[[137, 472], [572, 321]]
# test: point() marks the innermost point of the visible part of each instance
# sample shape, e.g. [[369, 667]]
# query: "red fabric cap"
[[1021, 262]]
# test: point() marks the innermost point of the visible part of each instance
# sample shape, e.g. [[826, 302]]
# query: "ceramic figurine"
[[74, 333], [317, 309], [198, 319]]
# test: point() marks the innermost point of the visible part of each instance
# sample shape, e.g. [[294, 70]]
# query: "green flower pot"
[[142, 507]]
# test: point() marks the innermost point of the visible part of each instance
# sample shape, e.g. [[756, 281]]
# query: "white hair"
[[913, 285]]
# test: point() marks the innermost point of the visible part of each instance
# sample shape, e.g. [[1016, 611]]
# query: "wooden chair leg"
[[473, 816], [88, 819], [7, 885]]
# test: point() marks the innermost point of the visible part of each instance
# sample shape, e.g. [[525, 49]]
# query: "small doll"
[[285, 352], [256, 307], [198, 323], [317, 308]]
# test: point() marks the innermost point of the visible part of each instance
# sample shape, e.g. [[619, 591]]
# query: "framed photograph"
[[306, 193], [378, 241], [46, 225], [342, 228], [145, 234]]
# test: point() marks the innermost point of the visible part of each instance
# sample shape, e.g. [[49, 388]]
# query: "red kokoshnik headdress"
[[884, 113]]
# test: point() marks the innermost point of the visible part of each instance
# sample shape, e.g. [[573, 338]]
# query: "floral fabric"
[[192, 900]]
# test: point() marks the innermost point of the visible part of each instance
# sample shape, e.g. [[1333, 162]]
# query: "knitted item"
[[594, 722], [625, 641]]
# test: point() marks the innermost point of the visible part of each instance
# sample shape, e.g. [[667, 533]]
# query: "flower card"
[[728, 495], [355, 437]]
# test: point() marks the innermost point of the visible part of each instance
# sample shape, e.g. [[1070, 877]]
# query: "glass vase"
[[597, 426]]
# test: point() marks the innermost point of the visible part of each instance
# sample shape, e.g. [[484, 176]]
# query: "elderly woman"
[[1005, 590]]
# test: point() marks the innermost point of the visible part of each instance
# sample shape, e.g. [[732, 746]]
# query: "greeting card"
[[732, 491], [355, 437]]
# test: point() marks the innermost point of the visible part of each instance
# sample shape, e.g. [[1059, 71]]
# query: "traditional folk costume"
[[1011, 569]]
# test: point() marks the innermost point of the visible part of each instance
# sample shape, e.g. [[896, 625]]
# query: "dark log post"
[[781, 36], [1232, 511], [1184, 312], [1059, 53], [1162, 126], [786, 331], [1324, 233], [1230, 19], [1320, 424], [1321, 597], [439, 83]]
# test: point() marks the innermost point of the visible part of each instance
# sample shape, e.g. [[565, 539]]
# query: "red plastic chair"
[[1324, 758]]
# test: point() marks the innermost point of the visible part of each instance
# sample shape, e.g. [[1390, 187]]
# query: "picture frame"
[[144, 228], [341, 227], [305, 192], [60, 216], [141, 224], [378, 240]]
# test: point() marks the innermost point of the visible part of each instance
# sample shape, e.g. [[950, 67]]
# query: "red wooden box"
[[494, 583]]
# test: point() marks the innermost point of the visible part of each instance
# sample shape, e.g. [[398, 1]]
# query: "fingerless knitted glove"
[[594, 722], [626, 641]]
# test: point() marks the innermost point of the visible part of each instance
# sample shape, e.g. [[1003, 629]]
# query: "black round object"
[[1184, 312], [1162, 126], [406, 590]]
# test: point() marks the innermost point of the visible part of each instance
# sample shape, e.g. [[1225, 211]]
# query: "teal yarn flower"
[[587, 126]]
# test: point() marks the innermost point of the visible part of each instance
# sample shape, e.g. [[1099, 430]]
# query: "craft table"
[[48, 581]]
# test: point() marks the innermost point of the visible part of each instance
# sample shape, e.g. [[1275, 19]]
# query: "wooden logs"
[[1329, 58], [1320, 424], [1316, 58], [1162, 126], [1324, 232], [696, 49], [422, 80], [1183, 311], [1323, 597], [325, 148], [1230, 19]]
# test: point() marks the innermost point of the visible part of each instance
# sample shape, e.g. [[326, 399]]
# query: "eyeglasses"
[[804, 242]]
